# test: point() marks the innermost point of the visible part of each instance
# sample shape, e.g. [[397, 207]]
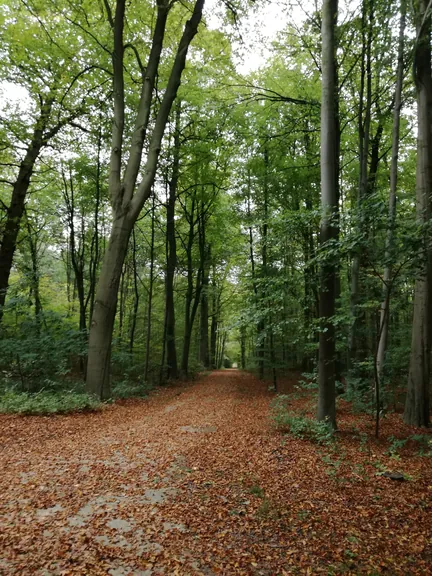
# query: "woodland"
[[162, 214], [171, 217]]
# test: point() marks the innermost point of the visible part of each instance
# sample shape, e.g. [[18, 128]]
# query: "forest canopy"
[[167, 208]]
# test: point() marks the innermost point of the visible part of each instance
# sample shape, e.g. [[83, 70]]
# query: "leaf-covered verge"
[[197, 480]]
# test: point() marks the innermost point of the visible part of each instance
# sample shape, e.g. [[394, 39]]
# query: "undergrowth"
[[301, 427], [46, 402], [129, 389]]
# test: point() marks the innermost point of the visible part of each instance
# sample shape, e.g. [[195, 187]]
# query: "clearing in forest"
[[195, 480]]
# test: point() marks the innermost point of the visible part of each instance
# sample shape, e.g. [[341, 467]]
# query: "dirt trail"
[[121, 492], [195, 481]]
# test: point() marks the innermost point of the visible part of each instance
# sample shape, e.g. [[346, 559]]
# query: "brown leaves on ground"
[[196, 481]]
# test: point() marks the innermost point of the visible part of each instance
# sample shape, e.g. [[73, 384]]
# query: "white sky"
[[257, 30], [261, 26]]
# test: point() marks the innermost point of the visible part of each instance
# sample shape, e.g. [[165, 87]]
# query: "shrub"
[[300, 426], [130, 389], [359, 392], [39, 351], [46, 402]]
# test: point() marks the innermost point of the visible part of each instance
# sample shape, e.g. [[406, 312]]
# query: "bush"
[[301, 427], [129, 389], [359, 392], [46, 402], [39, 351]]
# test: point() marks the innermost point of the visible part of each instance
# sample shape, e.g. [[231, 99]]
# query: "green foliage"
[[301, 427], [310, 381], [396, 444], [257, 491], [359, 393], [40, 351], [46, 402], [130, 389], [424, 441]]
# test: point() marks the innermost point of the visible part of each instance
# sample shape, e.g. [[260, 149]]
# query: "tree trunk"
[[329, 223], [122, 306], [172, 368], [418, 393], [259, 348], [13, 218], [204, 310], [214, 322], [193, 293], [364, 141], [150, 298], [19, 192], [204, 315], [76, 252], [127, 198], [35, 284], [136, 295], [95, 249], [385, 304], [243, 347], [162, 364], [102, 324]]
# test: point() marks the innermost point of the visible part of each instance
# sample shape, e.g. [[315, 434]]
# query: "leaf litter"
[[209, 487]]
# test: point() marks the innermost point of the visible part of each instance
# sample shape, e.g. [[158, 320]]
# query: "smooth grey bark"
[[259, 348], [128, 198], [150, 293], [136, 294], [204, 354], [193, 291], [171, 256], [364, 126], [329, 204], [385, 304], [417, 405], [214, 319]]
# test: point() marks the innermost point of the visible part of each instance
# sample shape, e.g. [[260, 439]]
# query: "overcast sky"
[[257, 30]]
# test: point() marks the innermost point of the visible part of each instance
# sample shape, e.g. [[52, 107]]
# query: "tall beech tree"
[[387, 278], [417, 406], [329, 206], [128, 198], [171, 252]]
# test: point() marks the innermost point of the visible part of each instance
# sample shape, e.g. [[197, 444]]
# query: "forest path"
[[194, 480], [147, 487]]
